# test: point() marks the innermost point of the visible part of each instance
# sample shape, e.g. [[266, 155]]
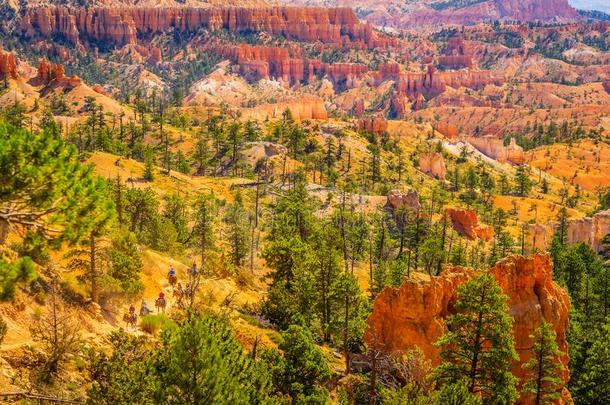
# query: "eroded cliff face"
[[494, 148], [122, 25], [414, 314], [54, 74], [466, 223], [589, 230], [530, 10], [433, 164], [374, 125], [8, 65], [306, 107]]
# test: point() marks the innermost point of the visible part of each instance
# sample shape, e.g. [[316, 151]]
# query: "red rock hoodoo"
[[431, 83], [54, 74], [414, 314], [8, 65], [121, 25], [433, 164], [466, 223], [374, 125]]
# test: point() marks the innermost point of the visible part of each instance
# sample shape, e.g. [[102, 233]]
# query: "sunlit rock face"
[[414, 314]]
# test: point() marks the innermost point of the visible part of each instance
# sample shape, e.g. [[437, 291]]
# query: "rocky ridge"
[[122, 25], [414, 314]]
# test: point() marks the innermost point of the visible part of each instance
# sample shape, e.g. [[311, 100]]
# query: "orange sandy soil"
[[584, 163]]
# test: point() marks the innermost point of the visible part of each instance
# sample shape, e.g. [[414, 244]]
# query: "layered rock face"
[[457, 55], [590, 230], [302, 108], [121, 25], [8, 65], [449, 131], [54, 74], [494, 148], [374, 125], [433, 164], [414, 86], [261, 62], [537, 237], [530, 10], [414, 314], [466, 223]]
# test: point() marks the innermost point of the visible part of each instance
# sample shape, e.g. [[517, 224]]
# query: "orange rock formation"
[[494, 148], [466, 223], [302, 108], [449, 131], [374, 125], [8, 65], [457, 54], [433, 164], [589, 230], [414, 314], [414, 86], [400, 200], [53, 73], [122, 25]]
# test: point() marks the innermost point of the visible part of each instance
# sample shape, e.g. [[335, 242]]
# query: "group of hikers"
[[161, 302]]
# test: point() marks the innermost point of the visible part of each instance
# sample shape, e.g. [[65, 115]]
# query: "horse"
[[173, 279], [179, 295], [160, 303], [130, 319], [144, 310]]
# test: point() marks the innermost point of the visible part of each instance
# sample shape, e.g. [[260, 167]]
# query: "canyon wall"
[[122, 25], [262, 62], [414, 314], [432, 82]]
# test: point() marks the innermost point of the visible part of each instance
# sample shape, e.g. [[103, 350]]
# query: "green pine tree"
[[478, 347], [201, 362], [544, 382]]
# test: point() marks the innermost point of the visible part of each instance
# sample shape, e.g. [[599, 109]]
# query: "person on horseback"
[[160, 302], [144, 309], [193, 270], [188, 290], [132, 309], [171, 275]]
